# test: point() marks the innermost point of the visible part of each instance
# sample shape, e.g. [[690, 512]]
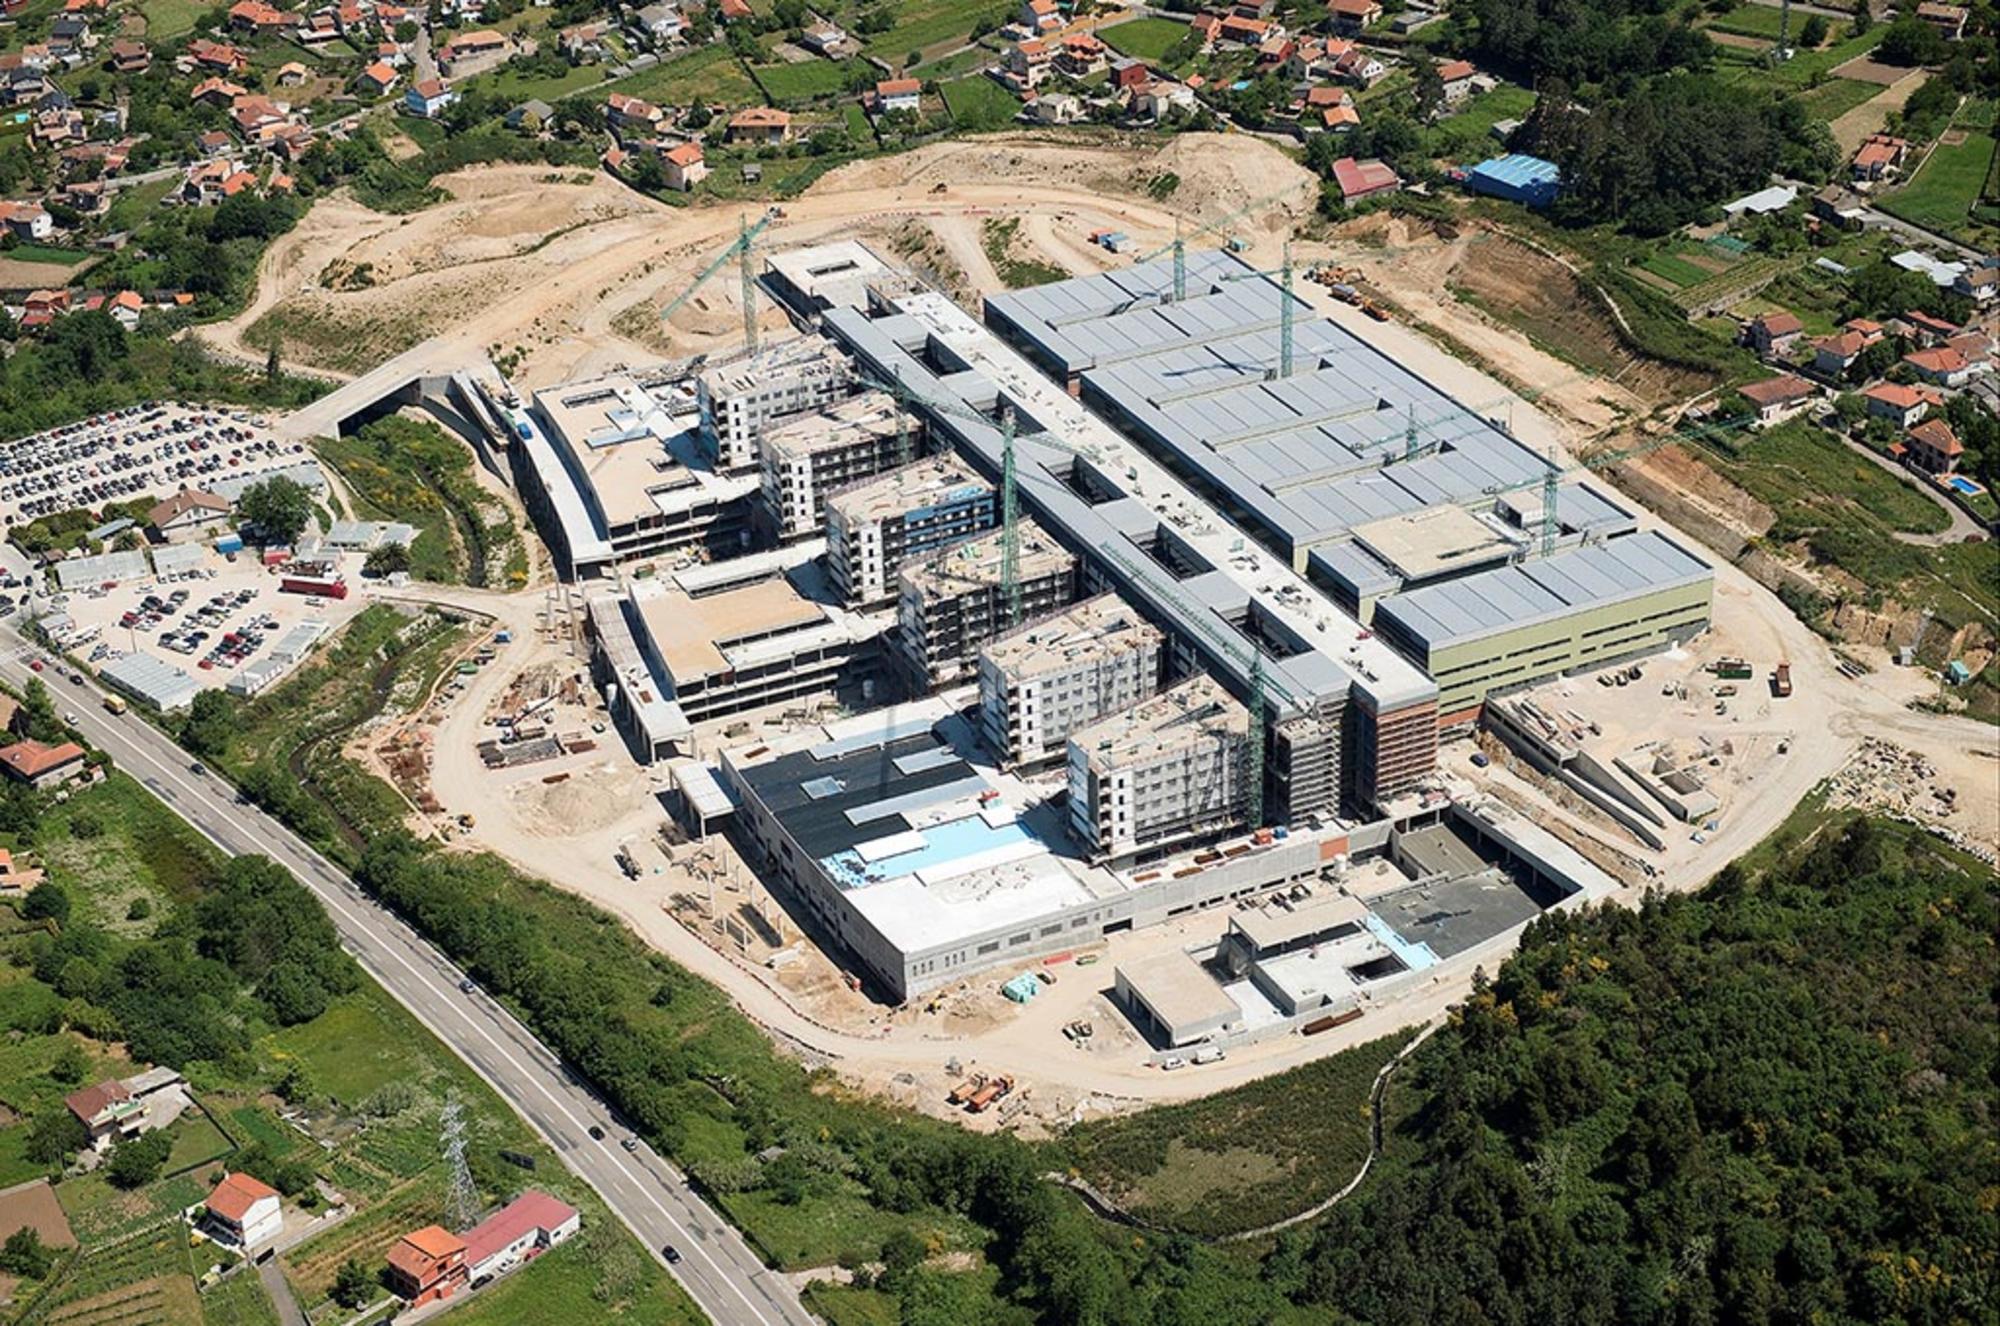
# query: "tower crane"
[[1179, 246], [740, 250]]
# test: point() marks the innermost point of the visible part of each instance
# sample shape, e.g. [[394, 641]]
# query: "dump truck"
[[1374, 310], [1781, 680], [981, 1100], [965, 1090]]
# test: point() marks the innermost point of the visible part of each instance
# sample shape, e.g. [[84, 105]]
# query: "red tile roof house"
[[107, 1112], [684, 166], [243, 1212], [897, 94], [1945, 367], [1934, 448], [1929, 331], [1879, 158], [1774, 334], [1900, 405], [1457, 78], [1833, 355], [759, 124], [1363, 179], [520, 1231], [427, 1265], [31, 762], [1778, 398], [1353, 15]]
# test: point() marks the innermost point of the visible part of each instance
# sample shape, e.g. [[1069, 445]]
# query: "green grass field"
[[353, 1048], [1678, 270], [1942, 194], [1837, 96], [1797, 462], [710, 74], [238, 1301], [171, 18], [51, 254], [1144, 38], [922, 25], [787, 84], [1802, 70], [979, 103], [1753, 20], [517, 86]]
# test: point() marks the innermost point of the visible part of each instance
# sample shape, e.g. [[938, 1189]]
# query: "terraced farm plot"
[[1942, 194], [366, 1236]]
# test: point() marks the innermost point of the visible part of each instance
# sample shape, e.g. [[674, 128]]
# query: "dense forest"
[[1772, 1102]]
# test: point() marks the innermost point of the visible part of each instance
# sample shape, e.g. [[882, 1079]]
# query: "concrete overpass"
[[418, 377]]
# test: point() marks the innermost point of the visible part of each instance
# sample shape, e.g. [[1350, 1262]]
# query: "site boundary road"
[[719, 1270]]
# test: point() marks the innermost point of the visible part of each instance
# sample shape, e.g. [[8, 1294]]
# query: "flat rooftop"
[[838, 273], [910, 490], [629, 451], [1179, 990], [801, 356], [1193, 713], [866, 418], [1440, 540], [1541, 590], [691, 634], [1098, 628], [975, 564], [942, 354], [1273, 926], [927, 841]]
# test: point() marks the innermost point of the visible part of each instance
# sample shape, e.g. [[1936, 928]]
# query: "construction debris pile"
[[528, 715], [1885, 778]]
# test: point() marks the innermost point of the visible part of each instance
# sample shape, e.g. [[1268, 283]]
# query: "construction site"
[[1178, 665]]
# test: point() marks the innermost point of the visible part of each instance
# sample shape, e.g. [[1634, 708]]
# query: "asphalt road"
[[718, 1269]]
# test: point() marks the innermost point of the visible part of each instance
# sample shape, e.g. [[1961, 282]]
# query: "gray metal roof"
[[1439, 616]]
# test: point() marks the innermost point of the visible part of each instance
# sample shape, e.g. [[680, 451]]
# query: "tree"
[[279, 508], [55, 1136], [38, 712], [1909, 42], [25, 1254], [273, 366], [902, 1252], [1813, 34], [47, 901], [210, 721], [388, 560], [137, 1161], [70, 1064], [353, 1287]]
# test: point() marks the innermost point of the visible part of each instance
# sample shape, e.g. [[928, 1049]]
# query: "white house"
[[517, 1232], [243, 1212]]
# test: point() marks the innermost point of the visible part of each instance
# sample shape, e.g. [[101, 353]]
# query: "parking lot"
[[145, 450], [209, 621]]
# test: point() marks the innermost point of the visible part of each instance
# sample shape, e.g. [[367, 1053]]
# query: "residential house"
[[1928, 331], [1933, 448], [107, 1112], [389, 53], [427, 1266], [89, 197], [1129, 75], [187, 514], [318, 30], [21, 84], [69, 35], [27, 220], [130, 57], [531, 115], [1273, 52], [583, 43], [1081, 55], [218, 56], [213, 143], [1240, 31], [759, 124], [1364, 179], [210, 182], [1208, 27], [1360, 68], [1457, 77], [1772, 335], [1949, 20], [829, 40], [1055, 108], [518, 1232], [1351, 16], [1834, 355], [428, 98], [251, 114], [484, 44], [243, 1213], [895, 96], [1980, 281], [1152, 101], [125, 308], [1029, 62], [1900, 405], [257, 17], [1840, 208], [683, 166], [291, 74], [1331, 119], [629, 116], [729, 11], [1779, 398], [1880, 157], [377, 79], [40, 765], [660, 24], [1945, 366], [1038, 16]]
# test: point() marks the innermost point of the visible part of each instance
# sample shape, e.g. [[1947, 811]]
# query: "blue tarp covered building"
[[1518, 178]]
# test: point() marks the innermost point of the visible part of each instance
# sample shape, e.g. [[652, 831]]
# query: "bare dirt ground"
[[526, 258], [1852, 128], [1864, 70]]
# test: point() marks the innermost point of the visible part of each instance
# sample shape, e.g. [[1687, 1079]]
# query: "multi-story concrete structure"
[[740, 398], [611, 472], [1168, 770], [1581, 609], [952, 602], [813, 455], [876, 526], [1045, 680], [711, 641]]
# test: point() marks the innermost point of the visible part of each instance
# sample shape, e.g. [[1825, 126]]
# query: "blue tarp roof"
[[1519, 169]]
